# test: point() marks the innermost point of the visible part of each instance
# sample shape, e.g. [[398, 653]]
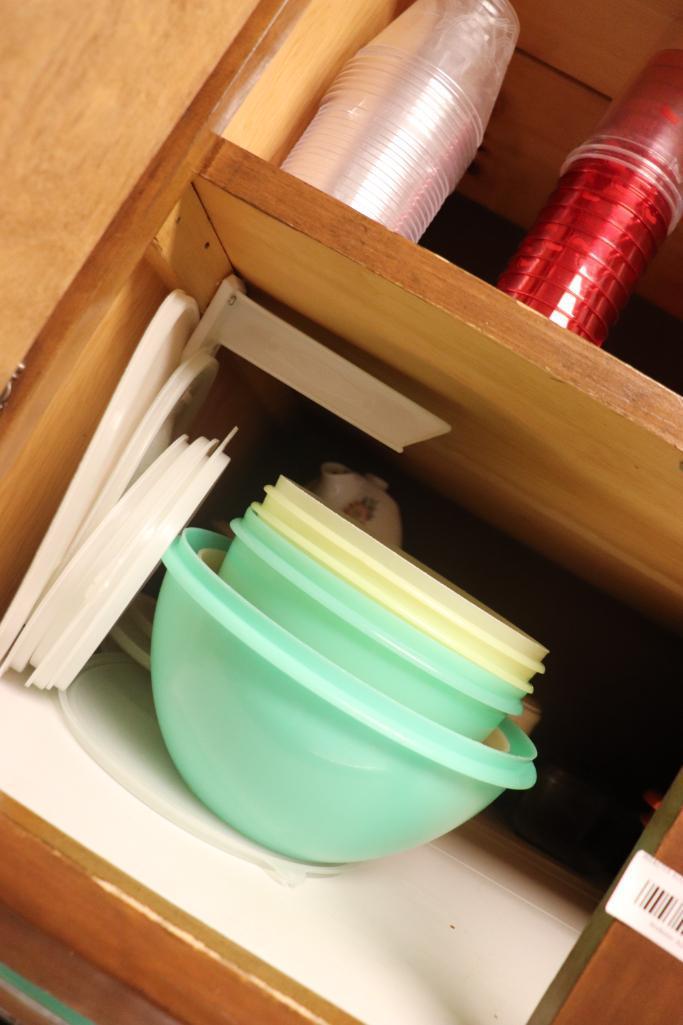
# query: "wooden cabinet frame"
[[596, 443]]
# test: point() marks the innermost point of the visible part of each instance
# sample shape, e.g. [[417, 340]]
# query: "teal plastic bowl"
[[293, 751], [360, 635]]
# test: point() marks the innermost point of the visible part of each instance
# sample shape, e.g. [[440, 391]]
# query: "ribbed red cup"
[[632, 220], [608, 258], [551, 236], [591, 175], [628, 256], [565, 298], [596, 235], [620, 193], [584, 282], [537, 264], [617, 210], [635, 244]]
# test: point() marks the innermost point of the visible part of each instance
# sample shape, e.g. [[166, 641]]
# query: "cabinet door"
[[109, 949], [614, 975], [48, 983], [90, 95]]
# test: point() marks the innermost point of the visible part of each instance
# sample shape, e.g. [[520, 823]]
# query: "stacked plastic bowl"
[[403, 120], [620, 194], [328, 697]]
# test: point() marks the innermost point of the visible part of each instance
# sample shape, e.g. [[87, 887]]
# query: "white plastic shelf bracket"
[[258, 336]]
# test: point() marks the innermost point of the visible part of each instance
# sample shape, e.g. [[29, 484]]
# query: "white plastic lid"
[[110, 711], [117, 582], [157, 355]]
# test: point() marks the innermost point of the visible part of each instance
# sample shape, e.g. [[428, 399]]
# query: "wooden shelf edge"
[[560, 444], [565, 357], [127, 931]]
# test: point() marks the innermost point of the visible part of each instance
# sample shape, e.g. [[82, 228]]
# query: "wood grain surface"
[[559, 443], [600, 44], [57, 969], [89, 95], [187, 253], [133, 221], [124, 930]]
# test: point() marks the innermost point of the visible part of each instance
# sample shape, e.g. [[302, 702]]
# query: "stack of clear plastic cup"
[[402, 122], [620, 193]]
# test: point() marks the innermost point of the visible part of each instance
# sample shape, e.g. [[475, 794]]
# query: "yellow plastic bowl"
[[434, 587], [400, 585]]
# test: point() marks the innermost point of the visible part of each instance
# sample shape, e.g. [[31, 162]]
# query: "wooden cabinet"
[[144, 158]]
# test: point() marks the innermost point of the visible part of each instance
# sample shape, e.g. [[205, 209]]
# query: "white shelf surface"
[[468, 930]]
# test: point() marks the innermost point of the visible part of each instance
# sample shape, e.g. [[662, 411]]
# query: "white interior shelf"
[[468, 930]]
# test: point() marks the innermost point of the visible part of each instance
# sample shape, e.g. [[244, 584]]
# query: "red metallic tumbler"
[[618, 197]]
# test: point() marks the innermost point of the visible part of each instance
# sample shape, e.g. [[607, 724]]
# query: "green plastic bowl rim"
[[478, 692], [511, 769]]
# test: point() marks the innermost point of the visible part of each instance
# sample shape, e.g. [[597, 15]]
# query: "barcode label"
[[649, 898], [663, 905]]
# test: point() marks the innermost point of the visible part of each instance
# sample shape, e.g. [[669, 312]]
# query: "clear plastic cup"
[[401, 173], [386, 153], [336, 121], [411, 111], [385, 162], [469, 41], [400, 125], [399, 79]]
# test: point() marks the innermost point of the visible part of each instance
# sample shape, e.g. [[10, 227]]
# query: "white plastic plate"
[[110, 711], [132, 633], [154, 360], [117, 544], [102, 607], [74, 574], [151, 436]]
